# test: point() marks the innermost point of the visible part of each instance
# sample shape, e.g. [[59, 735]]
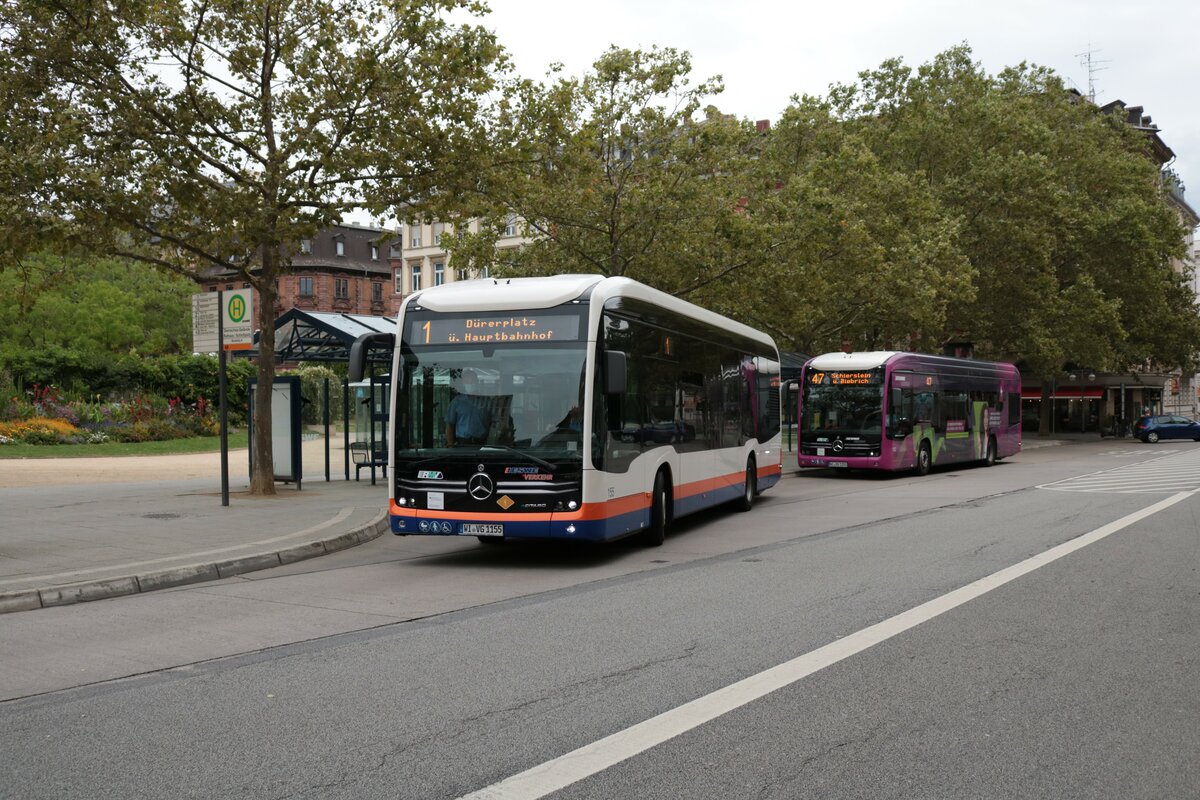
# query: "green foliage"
[[861, 251], [1059, 208], [613, 174], [205, 137], [93, 307], [312, 391]]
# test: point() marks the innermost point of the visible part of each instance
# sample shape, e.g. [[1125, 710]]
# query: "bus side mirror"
[[362, 345], [615, 377]]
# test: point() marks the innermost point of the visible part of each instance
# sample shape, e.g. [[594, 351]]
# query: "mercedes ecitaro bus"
[[894, 411], [575, 407]]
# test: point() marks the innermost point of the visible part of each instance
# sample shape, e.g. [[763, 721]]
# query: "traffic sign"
[[238, 311]]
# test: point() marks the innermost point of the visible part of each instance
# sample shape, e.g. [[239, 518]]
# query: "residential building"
[[343, 268], [422, 261]]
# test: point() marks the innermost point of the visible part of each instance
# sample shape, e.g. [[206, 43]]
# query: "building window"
[[340, 247], [416, 277], [229, 287], [374, 252], [306, 287], [416, 239], [341, 289], [486, 272], [376, 292], [306, 246], [439, 273], [245, 285], [438, 229], [510, 227], [462, 274], [394, 250], [399, 279]]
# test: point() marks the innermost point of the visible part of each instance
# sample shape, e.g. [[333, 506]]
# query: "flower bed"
[[45, 417]]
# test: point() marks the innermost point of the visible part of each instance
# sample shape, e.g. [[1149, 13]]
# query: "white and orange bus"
[[575, 407]]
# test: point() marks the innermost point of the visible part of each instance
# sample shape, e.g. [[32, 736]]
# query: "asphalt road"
[[427, 668]]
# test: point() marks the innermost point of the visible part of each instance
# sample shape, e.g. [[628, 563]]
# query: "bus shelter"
[[327, 337]]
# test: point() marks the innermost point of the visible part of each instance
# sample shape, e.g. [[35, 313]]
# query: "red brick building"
[[344, 268]]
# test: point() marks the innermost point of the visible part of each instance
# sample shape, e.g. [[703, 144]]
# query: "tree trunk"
[[1046, 412], [262, 477]]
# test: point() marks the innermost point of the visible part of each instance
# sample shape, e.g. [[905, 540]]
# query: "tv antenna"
[[1088, 60]]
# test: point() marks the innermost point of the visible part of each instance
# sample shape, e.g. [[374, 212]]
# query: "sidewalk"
[[79, 529]]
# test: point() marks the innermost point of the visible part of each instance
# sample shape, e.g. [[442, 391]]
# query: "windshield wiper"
[[530, 456]]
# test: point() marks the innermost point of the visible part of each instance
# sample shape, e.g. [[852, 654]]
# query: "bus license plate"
[[472, 529], [838, 464]]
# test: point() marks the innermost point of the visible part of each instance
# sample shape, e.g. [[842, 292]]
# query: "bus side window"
[[924, 406]]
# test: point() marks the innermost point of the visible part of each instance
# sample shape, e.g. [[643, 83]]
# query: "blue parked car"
[[1166, 426]]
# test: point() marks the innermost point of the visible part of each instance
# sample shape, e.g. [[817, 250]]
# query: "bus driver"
[[467, 420]]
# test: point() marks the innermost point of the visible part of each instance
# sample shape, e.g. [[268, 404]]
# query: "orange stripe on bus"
[[590, 511]]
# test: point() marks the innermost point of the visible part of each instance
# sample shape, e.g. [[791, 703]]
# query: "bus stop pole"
[[223, 391], [326, 415]]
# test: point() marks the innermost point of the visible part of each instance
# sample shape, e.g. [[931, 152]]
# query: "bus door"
[[913, 417], [957, 424]]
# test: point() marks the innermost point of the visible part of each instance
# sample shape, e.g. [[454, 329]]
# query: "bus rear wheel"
[[656, 534], [924, 459], [749, 487]]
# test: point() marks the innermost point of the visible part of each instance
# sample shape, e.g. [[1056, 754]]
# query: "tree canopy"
[[206, 136], [906, 209], [1060, 212]]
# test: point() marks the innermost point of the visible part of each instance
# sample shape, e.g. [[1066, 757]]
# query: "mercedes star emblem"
[[480, 486]]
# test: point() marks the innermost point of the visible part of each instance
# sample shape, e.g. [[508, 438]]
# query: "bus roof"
[[852, 361], [513, 294], [877, 358], [505, 294]]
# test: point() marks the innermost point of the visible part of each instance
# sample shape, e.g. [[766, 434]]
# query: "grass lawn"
[[200, 444]]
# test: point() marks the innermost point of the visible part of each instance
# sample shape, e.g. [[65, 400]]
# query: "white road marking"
[[590, 759], [1161, 475]]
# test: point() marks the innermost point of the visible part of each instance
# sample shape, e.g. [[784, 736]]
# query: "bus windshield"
[[842, 409], [524, 399]]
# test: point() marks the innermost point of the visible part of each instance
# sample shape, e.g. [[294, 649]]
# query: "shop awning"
[[1064, 393]]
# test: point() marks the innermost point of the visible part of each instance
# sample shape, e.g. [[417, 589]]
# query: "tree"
[[1061, 212], [620, 173], [98, 307], [861, 252], [208, 136]]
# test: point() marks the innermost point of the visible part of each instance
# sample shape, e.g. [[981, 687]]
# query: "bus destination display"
[[508, 328], [871, 377]]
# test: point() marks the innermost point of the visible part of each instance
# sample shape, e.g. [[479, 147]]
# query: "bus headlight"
[[403, 501], [572, 505], [570, 529]]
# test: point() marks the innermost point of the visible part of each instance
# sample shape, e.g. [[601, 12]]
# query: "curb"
[[86, 591]]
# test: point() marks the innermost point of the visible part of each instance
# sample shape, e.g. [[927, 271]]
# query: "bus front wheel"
[[746, 501], [924, 459], [656, 534]]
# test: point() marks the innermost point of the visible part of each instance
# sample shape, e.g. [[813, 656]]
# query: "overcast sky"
[[769, 50]]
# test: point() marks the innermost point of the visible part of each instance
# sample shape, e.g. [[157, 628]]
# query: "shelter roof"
[[324, 336]]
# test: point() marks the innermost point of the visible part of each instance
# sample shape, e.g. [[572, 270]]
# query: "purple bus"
[[893, 411]]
